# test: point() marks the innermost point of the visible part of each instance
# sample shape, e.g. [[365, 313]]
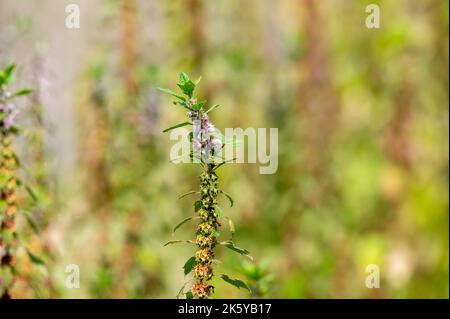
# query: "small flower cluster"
[[202, 291], [8, 196], [203, 140], [8, 112], [206, 233]]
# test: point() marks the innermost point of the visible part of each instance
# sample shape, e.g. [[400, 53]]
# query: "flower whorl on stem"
[[206, 146], [8, 183]]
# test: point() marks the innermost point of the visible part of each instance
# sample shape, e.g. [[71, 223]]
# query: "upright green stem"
[[206, 146]]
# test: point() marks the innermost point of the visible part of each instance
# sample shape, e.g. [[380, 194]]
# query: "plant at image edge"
[[206, 145], [8, 182]]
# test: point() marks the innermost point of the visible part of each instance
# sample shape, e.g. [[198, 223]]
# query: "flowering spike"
[[8, 183], [206, 146]]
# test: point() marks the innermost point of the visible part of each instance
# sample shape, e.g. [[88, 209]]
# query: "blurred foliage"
[[363, 143]]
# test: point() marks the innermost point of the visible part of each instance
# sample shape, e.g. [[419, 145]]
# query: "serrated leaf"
[[181, 223], [212, 108], [235, 282], [230, 245], [189, 265], [229, 197], [176, 126], [187, 88], [197, 106], [183, 78], [173, 93]]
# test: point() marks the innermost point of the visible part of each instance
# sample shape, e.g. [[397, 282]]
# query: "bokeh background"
[[363, 144]]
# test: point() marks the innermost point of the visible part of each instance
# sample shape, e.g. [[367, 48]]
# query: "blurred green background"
[[363, 144]]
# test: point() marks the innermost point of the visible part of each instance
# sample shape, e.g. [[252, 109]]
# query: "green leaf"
[[229, 244], [185, 84], [21, 92], [187, 88], [215, 233], [186, 194], [223, 163], [176, 126], [219, 211], [198, 80], [189, 295], [35, 259], [14, 130], [212, 108], [189, 265], [197, 106], [9, 69], [31, 193], [183, 78], [197, 205], [6, 74], [34, 226], [181, 223], [173, 93], [229, 197], [170, 242], [235, 282]]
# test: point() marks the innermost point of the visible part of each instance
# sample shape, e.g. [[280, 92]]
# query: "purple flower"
[[5, 107], [196, 144], [9, 119], [9, 115], [216, 144]]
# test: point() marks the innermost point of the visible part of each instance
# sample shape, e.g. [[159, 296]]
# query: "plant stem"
[[7, 228], [207, 231]]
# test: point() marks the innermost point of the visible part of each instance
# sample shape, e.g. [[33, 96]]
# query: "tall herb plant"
[[206, 144], [9, 182]]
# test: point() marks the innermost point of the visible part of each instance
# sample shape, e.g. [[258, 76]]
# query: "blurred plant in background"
[[13, 267], [259, 277]]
